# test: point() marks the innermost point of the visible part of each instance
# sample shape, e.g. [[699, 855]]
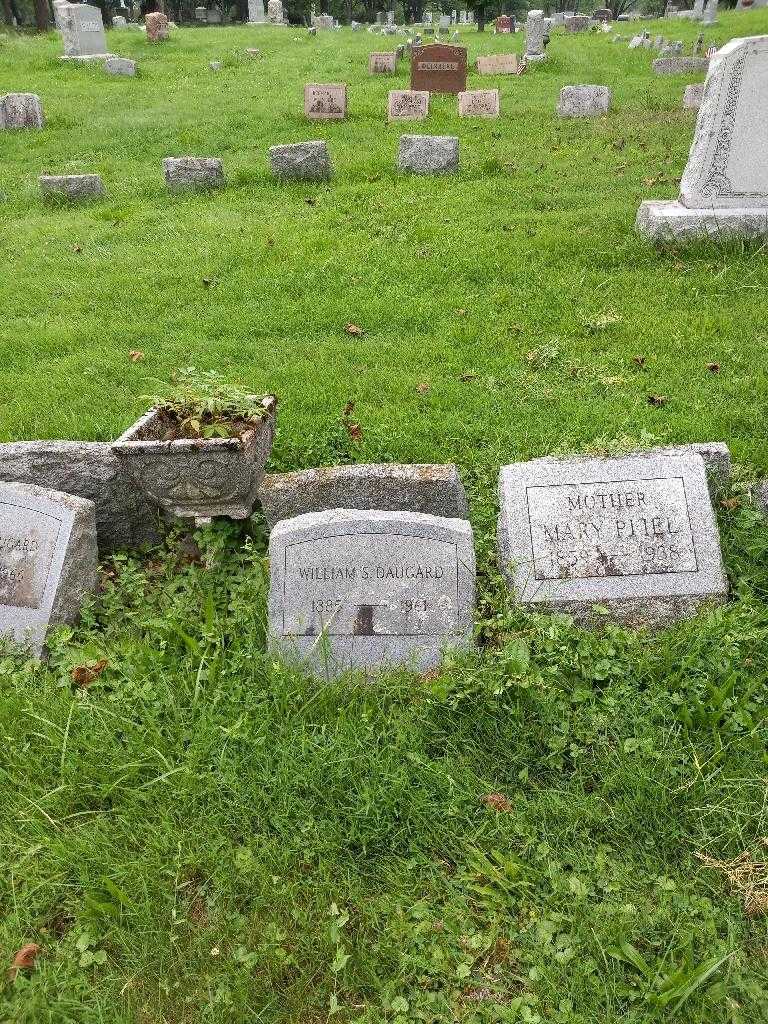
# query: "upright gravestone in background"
[[504, 25], [535, 31], [635, 536], [439, 67], [82, 30], [48, 560], [275, 14], [497, 64], [382, 63], [724, 190], [368, 589], [156, 24], [256, 15]]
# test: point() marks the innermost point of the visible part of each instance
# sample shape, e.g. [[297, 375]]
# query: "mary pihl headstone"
[[634, 536], [439, 67], [724, 190], [370, 589], [48, 559]]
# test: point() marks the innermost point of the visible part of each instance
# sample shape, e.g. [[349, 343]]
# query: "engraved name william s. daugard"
[[27, 543], [619, 528], [370, 585]]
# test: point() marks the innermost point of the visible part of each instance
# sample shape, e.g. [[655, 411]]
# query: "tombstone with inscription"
[[157, 26], [48, 560], [215, 16], [256, 13], [710, 13], [724, 190], [479, 103], [603, 14], [439, 67], [497, 64], [82, 31], [382, 63], [632, 539], [325, 102], [370, 589], [578, 23], [504, 25], [407, 105], [535, 31]]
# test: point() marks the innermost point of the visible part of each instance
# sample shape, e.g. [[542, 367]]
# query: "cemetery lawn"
[[196, 834]]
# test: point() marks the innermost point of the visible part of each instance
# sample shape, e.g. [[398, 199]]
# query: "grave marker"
[[439, 67], [48, 560], [636, 535], [326, 102], [82, 31], [497, 64], [20, 110], [535, 30], [479, 103], [407, 105], [382, 63], [367, 589]]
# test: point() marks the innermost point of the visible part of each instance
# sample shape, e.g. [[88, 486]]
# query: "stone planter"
[[197, 478]]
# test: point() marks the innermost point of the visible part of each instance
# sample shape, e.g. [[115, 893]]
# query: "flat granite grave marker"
[[584, 101], [428, 154], [301, 161], [48, 560], [439, 67], [382, 63], [326, 102], [72, 186], [193, 172], [370, 589], [497, 64], [407, 105], [724, 190], [636, 536]]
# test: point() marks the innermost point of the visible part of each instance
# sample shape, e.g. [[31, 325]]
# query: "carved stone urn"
[[198, 478]]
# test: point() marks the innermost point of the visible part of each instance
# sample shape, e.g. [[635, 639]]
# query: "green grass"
[[205, 836]]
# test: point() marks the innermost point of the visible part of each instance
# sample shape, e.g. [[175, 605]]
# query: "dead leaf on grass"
[[135, 355], [497, 802], [747, 877], [657, 400], [84, 675], [24, 959], [354, 330]]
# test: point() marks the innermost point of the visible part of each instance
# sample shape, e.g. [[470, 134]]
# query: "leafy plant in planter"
[[201, 449]]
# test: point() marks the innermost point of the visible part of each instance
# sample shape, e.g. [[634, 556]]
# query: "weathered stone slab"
[[382, 63], [388, 487], [479, 103], [20, 110], [693, 96], [157, 26], [301, 161], [666, 220], [87, 469], [120, 66], [680, 65], [407, 105], [584, 101], [73, 186], [578, 23], [428, 154], [82, 30], [636, 535], [193, 172], [535, 30], [48, 560], [325, 102], [497, 64], [370, 589]]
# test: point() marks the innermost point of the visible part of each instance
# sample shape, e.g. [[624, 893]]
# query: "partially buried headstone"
[[301, 161], [479, 103], [497, 64], [325, 102], [439, 67], [428, 154], [724, 190], [72, 186], [193, 172], [584, 101], [382, 63], [407, 105], [635, 536], [120, 66], [48, 560], [370, 589], [20, 110], [157, 26], [119, 21], [679, 65]]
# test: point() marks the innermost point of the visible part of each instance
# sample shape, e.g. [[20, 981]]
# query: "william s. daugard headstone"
[[370, 589], [48, 560], [632, 540], [724, 190]]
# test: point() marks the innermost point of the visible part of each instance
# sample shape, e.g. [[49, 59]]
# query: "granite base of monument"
[[670, 221], [370, 590]]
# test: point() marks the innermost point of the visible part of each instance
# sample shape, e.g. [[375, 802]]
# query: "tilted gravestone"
[[428, 154], [301, 161], [407, 105], [439, 67], [584, 101], [635, 536], [369, 589], [48, 560], [724, 190], [193, 172], [72, 186]]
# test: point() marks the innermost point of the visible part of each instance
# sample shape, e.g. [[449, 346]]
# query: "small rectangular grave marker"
[[635, 534], [439, 67], [48, 559], [407, 105], [325, 102], [368, 589], [382, 63], [479, 103], [497, 64]]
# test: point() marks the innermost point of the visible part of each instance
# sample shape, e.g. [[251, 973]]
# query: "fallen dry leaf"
[[351, 425], [355, 431], [77, 248], [713, 367], [657, 400], [353, 329], [423, 388], [461, 312], [135, 355], [466, 377], [349, 408], [84, 675], [24, 959], [310, 201], [496, 801], [731, 503], [748, 878], [639, 362]]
